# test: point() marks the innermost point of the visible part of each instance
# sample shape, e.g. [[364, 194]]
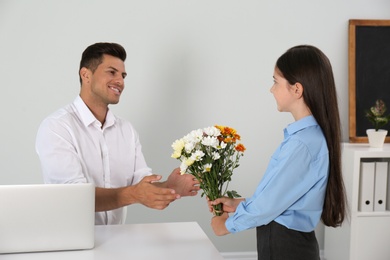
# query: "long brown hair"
[[309, 66]]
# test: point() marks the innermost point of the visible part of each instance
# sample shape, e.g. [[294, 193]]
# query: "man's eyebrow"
[[124, 74], [111, 67]]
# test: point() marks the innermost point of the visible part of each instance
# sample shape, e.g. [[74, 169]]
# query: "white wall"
[[191, 64]]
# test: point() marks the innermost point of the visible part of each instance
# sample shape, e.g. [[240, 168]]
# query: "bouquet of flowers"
[[210, 154]]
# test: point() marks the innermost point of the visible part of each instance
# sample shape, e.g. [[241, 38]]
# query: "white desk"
[[184, 240]]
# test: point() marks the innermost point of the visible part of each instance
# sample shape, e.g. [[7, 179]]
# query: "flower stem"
[[218, 209]]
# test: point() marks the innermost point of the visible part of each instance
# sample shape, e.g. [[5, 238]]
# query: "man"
[[85, 142]]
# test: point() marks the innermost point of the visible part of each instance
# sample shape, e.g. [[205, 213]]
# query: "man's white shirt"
[[74, 147]]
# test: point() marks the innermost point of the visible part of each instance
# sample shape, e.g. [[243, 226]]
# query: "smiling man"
[[84, 142]]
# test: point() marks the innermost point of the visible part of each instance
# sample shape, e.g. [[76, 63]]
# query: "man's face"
[[107, 82]]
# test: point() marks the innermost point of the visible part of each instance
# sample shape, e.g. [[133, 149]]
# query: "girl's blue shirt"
[[292, 190]]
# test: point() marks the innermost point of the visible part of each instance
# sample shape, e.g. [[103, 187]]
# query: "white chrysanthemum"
[[194, 136], [197, 155], [222, 145], [183, 168], [189, 147], [207, 167], [198, 134], [188, 138], [210, 141], [212, 131], [216, 156]]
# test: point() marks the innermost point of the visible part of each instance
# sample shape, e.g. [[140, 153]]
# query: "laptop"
[[46, 217]]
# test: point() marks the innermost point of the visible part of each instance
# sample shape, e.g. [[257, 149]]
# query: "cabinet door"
[[373, 236]]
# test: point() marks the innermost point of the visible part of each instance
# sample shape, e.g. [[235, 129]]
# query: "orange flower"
[[240, 148], [228, 140], [226, 131]]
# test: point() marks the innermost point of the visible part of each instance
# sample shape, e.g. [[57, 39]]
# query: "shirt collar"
[[299, 125], [86, 115]]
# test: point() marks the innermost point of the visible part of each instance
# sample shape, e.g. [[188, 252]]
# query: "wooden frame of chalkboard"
[[369, 73]]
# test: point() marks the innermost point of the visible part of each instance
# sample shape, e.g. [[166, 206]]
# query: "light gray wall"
[[191, 64]]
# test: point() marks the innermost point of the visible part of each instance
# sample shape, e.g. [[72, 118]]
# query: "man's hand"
[[185, 185], [146, 192], [150, 195]]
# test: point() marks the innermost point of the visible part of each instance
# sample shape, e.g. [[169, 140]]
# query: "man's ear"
[[298, 90], [85, 75]]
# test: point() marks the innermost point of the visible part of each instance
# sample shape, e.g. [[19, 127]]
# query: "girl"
[[303, 182]]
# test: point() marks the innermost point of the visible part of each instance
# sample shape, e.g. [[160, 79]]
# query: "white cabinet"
[[365, 234]]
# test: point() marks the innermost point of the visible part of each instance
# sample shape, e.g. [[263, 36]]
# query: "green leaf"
[[233, 194]]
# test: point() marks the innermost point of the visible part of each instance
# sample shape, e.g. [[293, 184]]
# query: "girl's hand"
[[229, 204], [218, 224]]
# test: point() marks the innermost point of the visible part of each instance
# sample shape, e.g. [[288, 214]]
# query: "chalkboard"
[[369, 73]]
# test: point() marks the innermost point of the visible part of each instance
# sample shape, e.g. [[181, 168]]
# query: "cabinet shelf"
[[373, 214], [362, 236]]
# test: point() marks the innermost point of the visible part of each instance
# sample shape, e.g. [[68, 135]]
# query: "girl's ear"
[[298, 90]]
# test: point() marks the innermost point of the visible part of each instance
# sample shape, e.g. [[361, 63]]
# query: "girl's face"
[[283, 92]]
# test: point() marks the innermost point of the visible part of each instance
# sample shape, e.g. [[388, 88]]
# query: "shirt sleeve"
[[57, 154], [141, 168], [288, 177]]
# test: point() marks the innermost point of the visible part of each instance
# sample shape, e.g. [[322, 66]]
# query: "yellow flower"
[[177, 146], [176, 154], [189, 161]]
